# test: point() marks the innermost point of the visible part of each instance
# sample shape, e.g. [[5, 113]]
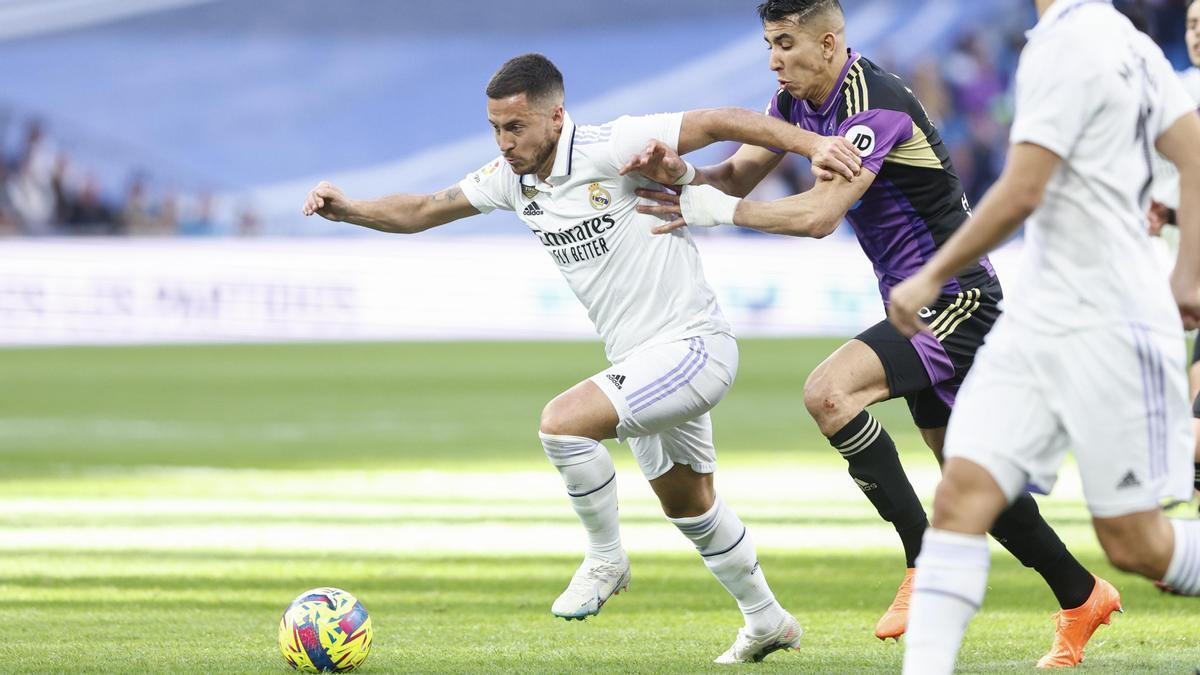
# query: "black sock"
[[1198, 475], [1022, 530], [876, 469]]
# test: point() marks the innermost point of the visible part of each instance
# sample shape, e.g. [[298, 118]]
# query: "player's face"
[[1193, 33], [526, 131], [798, 58]]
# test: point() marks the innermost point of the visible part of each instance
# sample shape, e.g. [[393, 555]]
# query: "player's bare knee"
[[557, 420], [824, 403]]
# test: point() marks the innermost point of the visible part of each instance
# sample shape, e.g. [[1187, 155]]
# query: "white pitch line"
[[417, 513]]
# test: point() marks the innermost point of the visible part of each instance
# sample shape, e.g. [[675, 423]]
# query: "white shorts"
[[1115, 395], [663, 394]]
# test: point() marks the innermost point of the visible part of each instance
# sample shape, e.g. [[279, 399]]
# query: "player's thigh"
[[583, 410], [850, 379], [661, 387], [1129, 421], [1137, 542], [689, 444], [1004, 419]]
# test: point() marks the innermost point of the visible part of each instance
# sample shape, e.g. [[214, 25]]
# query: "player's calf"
[[1139, 542]]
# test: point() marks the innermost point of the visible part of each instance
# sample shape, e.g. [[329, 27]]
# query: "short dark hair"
[[531, 74], [778, 10]]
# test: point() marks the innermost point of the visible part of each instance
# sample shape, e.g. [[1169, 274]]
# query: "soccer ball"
[[325, 630]]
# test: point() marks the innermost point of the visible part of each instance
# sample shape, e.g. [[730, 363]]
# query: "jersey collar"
[[562, 157], [1058, 11], [837, 88]]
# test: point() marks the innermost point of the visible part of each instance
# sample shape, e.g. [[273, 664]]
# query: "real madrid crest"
[[599, 197]]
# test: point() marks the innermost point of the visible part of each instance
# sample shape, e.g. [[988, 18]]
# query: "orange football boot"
[[1074, 627], [894, 621]]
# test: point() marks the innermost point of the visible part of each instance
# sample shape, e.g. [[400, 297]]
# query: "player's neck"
[[832, 78], [1042, 6]]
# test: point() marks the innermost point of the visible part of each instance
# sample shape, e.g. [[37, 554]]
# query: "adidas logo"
[[865, 486], [532, 210], [1129, 481], [617, 380]]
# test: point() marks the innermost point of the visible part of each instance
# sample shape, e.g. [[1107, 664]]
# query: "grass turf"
[[167, 423], [210, 611]]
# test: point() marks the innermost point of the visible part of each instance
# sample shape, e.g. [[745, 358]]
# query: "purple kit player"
[[903, 206]]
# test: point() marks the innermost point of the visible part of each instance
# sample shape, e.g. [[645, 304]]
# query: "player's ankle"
[[765, 619]]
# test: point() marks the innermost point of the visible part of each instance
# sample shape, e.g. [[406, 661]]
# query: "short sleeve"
[[488, 188], [1175, 99], [773, 110], [875, 132], [1051, 110], [631, 134]]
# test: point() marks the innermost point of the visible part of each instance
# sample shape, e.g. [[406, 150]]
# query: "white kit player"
[[673, 355], [1088, 353]]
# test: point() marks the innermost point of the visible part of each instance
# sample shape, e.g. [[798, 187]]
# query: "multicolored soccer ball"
[[325, 630]]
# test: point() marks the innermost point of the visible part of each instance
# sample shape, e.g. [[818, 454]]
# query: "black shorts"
[[927, 370]]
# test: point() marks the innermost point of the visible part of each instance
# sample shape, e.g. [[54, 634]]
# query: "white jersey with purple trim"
[[640, 289], [1097, 93]]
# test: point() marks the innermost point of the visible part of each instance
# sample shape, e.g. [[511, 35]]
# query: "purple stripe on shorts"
[[1154, 400], [937, 364], [688, 357], [681, 381]]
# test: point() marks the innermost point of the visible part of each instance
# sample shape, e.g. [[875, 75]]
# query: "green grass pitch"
[[161, 506]]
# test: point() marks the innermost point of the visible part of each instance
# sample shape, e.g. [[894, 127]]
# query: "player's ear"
[[829, 43], [557, 116]]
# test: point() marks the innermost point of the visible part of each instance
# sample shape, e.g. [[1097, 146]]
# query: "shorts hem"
[[698, 467]]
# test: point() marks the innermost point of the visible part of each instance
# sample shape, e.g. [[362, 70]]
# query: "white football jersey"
[[1166, 176], [1097, 93], [640, 289]]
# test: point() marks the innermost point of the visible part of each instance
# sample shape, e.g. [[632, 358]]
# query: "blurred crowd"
[[44, 192], [966, 90]]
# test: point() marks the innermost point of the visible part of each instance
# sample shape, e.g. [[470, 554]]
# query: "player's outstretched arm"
[[815, 213], [829, 154], [1014, 197], [1180, 143], [400, 214], [736, 176]]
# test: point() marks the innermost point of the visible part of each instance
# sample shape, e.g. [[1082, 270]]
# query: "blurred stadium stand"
[[215, 116]]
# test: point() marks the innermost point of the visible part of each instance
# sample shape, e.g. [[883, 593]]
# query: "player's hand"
[[835, 156], [1187, 297], [907, 300], [328, 201], [665, 206], [1159, 215], [658, 162]]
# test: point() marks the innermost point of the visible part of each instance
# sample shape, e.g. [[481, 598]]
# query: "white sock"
[[1183, 574], [587, 469], [728, 552], [951, 579]]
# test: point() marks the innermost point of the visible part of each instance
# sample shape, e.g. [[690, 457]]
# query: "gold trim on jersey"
[[916, 151], [963, 307], [857, 99]]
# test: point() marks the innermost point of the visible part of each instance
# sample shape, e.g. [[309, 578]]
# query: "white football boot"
[[754, 648], [593, 584]]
